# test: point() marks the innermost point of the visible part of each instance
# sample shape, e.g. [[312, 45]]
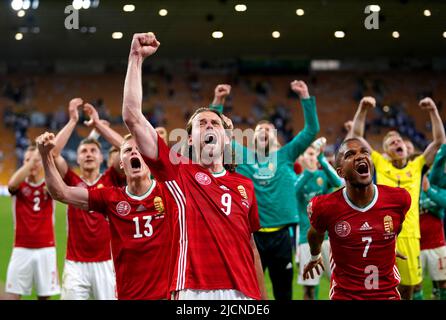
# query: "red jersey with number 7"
[[140, 239], [33, 213], [363, 241], [217, 214]]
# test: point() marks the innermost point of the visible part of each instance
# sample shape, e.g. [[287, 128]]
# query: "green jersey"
[[274, 176], [310, 184]]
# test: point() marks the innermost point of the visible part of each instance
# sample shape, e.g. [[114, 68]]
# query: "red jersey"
[[33, 210], [217, 215], [139, 237], [88, 232], [432, 231], [362, 241]]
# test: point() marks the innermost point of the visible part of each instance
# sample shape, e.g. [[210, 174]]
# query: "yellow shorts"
[[410, 269]]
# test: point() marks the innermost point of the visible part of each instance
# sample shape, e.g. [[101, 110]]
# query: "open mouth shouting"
[[399, 151], [362, 169], [210, 138], [135, 164]]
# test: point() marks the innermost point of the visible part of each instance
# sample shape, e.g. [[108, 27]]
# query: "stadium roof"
[[186, 29]]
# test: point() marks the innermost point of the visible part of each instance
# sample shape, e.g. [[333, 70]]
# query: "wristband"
[[316, 257]]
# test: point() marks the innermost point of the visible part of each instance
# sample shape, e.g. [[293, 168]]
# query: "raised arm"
[[358, 126], [220, 93], [143, 45], [438, 133], [311, 123], [64, 135], [23, 172], [437, 170], [101, 127], [57, 188]]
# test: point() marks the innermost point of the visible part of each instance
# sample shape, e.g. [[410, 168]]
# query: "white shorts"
[[28, 266], [223, 294], [304, 258], [84, 280], [433, 262]]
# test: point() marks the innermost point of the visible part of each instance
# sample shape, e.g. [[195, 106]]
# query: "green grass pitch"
[[7, 236]]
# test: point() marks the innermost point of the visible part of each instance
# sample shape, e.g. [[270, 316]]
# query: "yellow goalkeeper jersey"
[[408, 178]]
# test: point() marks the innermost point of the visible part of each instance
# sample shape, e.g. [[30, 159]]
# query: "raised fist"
[[300, 88], [91, 112], [45, 143], [222, 90], [144, 44], [428, 104], [73, 108], [367, 103]]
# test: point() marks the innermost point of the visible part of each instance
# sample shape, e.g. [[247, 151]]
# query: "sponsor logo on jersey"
[[37, 193], [123, 208], [224, 188], [202, 178], [159, 205], [365, 227], [245, 203], [141, 208], [100, 186], [320, 181], [242, 191], [388, 224], [343, 228]]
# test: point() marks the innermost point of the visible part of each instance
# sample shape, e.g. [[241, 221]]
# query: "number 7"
[[367, 246]]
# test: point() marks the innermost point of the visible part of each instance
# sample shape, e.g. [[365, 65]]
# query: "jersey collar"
[[219, 174], [145, 195], [92, 183], [37, 184], [367, 207]]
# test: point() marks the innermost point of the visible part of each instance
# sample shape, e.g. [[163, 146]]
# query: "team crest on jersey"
[[388, 224], [271, 166], [310, 209], [342, 229], [409, 174], [242, 191], [202, 178], [159, 205], [123, 208], [320, 181], [27, 191]]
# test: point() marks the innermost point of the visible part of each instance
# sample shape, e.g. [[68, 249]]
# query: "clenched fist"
[[222, 90], [73, 108], [300, 88], [144, 44], [45, 143], [367, 103], [428, 104]]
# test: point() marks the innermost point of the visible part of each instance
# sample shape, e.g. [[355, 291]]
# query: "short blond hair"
[[388, 135]]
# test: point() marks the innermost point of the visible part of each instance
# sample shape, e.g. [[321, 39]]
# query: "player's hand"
[[45, 143], [425, 184], [309, 268], [348, 125], [73, 108], [144, 44], [222, 90], [428, 104], [91, 112], [300, 88], [320, 144], [367, 103], [228, 122]]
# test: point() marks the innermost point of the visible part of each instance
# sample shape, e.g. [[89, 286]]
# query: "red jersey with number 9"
[[362, 241], [33, 210], [217, 214], [140, 239]]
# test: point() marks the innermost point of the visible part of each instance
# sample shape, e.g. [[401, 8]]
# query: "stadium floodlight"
[[276, 34], [35, 4], [17, 4], [444, 34], [86, 4], [427, 13], [240, 7], [77, 4], [300, 12], [395, 34], [339, 34], [21, 13], [129, 8], [217, 34], [117, 35], [26, 4], [19, 36], [95, 4], [374, 8], [163, 12]]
